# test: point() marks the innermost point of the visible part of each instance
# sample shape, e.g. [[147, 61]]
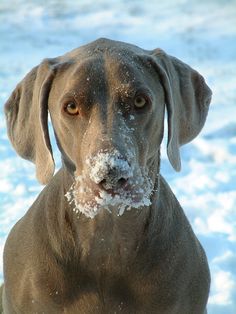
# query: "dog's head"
[[107, 102]]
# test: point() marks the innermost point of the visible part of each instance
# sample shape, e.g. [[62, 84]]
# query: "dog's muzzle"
[[110, 181], [111, 171]]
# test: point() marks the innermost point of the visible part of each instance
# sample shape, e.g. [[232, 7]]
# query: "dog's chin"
[[90, 199]]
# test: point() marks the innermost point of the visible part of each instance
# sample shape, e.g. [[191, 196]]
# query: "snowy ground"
[[201, 33]]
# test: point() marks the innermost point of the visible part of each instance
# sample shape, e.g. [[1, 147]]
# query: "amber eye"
[[140, 101], [71, 108]]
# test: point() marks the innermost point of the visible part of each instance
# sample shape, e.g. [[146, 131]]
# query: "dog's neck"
[[108, 234]]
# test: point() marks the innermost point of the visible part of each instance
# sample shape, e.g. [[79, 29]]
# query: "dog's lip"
[[126, 187], [114, 192], [98, 188]]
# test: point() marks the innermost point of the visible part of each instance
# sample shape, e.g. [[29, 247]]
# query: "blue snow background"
[[202, 33]]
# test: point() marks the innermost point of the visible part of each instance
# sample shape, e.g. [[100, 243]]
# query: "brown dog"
[[118, 242]]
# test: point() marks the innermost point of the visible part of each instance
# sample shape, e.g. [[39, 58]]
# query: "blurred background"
[[201, 33]]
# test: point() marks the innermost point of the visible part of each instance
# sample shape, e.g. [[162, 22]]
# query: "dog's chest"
[[124, 289], [116, 274], [113, 295], [105, 284]]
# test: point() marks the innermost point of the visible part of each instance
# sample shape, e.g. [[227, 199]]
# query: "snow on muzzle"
[[110, 182], [110, 170]]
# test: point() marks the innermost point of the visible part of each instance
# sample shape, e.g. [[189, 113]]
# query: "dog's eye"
[[140, 101], [71, 108]]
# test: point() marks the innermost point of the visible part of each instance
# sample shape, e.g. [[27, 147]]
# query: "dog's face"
[[107, 102], [108, 112]]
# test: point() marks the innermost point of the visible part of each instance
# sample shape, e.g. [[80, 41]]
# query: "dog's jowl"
[[106, 234]]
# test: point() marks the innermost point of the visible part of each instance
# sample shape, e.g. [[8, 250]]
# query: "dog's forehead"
[[104, 46], [107, 66], [104, 66], [104, 55], [98, 76], [112, 68]]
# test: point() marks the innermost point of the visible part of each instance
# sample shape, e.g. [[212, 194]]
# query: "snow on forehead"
[[115, 67], [104, 50], [104, 45], [106, 63], [117, 52]]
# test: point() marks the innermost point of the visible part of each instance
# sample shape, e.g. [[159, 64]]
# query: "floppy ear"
[[187, 101], [26, 114]]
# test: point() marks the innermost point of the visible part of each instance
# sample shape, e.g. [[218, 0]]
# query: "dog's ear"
[[187, 98], [27, 119]]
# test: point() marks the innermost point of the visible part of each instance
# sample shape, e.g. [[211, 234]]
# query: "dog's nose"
[[110, 170], [115, 178]]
